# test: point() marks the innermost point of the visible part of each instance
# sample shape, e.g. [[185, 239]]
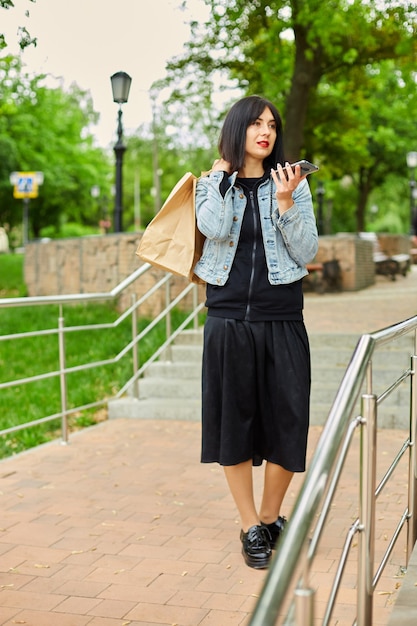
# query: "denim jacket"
[[290, 240]]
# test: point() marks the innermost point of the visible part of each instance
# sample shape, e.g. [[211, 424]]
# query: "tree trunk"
[[363, 193], [306, 77]]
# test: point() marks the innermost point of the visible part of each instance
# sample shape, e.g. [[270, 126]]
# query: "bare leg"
[[276, 482], [240, 481]]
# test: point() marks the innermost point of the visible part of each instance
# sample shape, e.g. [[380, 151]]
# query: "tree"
[[47, 129], [174, 159], [25, 39], [365, 126], [320, 62], [283, 49], [392, 98]]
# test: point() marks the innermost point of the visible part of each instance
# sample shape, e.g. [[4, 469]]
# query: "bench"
[[326, 276], [387, 265], [391, 265]]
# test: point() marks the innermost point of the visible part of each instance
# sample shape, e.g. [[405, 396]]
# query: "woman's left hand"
[[286, 181]]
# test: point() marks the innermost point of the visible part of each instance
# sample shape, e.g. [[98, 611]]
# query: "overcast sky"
[[86, 41]]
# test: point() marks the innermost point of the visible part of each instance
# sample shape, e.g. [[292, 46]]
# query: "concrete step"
[[321, 359], [320, 340], [156, 408], [153, 387], [404, 612], [190, 410], [341, 357], [185, 352], [324, 369], [170, 369], [389, 416], [327, 395], [190, 387], [190, 337], [171, 387]]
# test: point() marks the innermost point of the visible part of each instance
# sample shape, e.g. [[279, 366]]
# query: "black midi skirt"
[[255, 392]]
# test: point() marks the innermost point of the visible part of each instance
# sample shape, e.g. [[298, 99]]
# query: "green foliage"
[[24, 37], [46, 129], [342, 73], [174, 160], [385, 213], [71, 229]]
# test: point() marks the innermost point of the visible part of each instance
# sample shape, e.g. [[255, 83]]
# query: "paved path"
[[124, 526], [358, 312]]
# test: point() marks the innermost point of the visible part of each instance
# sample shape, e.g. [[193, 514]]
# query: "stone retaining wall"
[[91, 265], [99, 263], [355, 257]]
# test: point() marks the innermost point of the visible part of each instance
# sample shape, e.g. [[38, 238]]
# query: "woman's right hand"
[[220, 165]]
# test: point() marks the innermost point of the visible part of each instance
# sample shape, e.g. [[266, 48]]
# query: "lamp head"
[[412, 160], [120, 84]]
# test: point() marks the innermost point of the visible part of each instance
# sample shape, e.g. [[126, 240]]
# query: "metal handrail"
[[77, 297], [132, 346], [297, 550]]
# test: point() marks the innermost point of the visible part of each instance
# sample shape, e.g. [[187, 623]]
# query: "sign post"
[[25, 186]]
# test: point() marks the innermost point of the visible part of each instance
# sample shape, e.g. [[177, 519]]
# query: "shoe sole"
[[256, 563]]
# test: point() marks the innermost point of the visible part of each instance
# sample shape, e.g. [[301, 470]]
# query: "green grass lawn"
[[12, 284], [31, 356]]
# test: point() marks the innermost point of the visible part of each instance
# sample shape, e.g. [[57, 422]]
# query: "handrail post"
[[304, 606], [367, 483], [62, 377], [304, 599], [168, 319], [195, 305], [412, 467], [135, 351]]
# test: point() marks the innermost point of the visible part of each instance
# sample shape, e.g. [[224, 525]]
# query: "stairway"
[[330, 357], [171, 388]]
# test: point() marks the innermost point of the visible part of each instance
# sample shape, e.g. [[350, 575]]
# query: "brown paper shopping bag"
[[172, 241]]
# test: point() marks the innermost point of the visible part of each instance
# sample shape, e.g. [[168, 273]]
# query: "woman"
[[260, 233]]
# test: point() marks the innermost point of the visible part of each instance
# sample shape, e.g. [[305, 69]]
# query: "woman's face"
[[261, 136]]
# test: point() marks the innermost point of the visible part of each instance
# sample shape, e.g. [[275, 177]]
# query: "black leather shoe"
[[275, 529], [255, 547]]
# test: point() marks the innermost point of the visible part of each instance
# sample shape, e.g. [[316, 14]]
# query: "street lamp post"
[[120, 84], [412, 164], [156, 190], [320, 195]]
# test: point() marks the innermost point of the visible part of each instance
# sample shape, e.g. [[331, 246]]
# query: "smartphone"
[[306, 167]]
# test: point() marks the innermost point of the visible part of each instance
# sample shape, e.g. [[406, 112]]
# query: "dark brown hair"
[[232, 140]]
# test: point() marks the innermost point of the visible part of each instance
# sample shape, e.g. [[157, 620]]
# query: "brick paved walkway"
[[384, 303], [124, 526]]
